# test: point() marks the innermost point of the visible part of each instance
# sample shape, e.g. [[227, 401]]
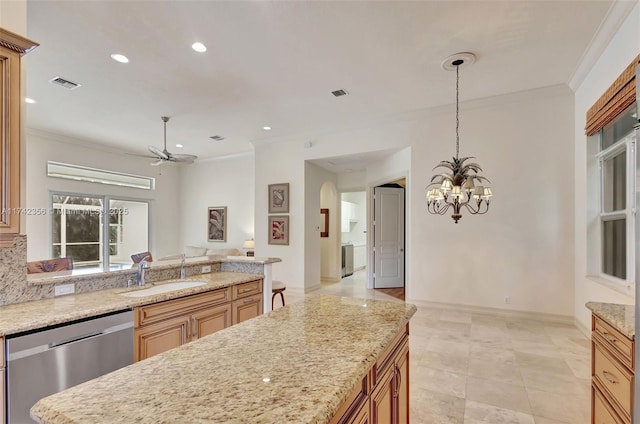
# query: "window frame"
[[105, 225], [626, 144]]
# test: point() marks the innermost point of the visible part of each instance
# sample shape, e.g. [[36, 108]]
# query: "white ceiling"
[[275, 63]]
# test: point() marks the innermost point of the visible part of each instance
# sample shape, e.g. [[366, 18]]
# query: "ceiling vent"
[[339, 93], [216, 138], [64, 83]]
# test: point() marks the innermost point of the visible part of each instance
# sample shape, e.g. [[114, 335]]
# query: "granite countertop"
[[296, 364], [621, 317], [19, 317]]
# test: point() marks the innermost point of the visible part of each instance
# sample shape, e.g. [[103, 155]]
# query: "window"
[[616, 158], [79, 229]]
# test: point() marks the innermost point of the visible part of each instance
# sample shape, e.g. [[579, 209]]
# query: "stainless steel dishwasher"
[[44, 362]]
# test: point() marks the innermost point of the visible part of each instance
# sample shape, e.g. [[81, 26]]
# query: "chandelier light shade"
[[455, 187]]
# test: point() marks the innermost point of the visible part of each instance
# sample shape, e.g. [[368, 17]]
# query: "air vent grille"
[[216, 138], [339, 93], [64, 83]]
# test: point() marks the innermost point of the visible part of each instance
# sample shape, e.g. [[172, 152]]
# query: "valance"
[[620, 95]]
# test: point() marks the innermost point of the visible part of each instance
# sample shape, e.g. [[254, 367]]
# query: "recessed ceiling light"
[[120, 58], [199, 47], [28, 100], [180, 146], [266, 128]]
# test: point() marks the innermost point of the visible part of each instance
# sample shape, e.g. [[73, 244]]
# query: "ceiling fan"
[[165, 156]]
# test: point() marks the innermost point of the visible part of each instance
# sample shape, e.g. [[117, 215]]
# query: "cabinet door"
[[160, 337], [362, 416], [383, 399], [246, 308], [402, 384], [208, 321], [10, 144]]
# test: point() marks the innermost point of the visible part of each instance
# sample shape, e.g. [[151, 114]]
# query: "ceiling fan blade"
[[159, 153], [157, 162], [142, 156], [188, 159]]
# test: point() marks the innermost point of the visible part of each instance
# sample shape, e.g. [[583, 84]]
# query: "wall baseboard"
[[538, 316], [584, 330]]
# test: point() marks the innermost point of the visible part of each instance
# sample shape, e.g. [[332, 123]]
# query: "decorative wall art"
[[324, 222], [217, 224], [279, 230], [279, 198]]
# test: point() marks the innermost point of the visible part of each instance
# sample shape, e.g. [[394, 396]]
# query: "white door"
[[388, 237]]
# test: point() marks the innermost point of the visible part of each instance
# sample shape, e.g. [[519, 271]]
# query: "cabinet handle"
[[609, 338], [398, 381], [249, 300], [609, 377]]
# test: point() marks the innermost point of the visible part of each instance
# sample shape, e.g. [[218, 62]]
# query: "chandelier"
[[456, 185]]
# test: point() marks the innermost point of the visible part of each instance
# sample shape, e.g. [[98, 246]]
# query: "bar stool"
[[277, 287]]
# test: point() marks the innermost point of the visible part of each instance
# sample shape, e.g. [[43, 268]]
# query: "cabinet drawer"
[[247, 289], [150, 314], [614, 378], [615, 340], [602, 412]]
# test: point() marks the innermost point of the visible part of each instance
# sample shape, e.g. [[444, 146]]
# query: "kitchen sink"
[[163, 288]]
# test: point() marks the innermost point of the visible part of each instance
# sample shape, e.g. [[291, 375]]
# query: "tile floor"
[[469, 368]]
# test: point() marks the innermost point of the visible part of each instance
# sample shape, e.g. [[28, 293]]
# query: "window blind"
[[620, 95]]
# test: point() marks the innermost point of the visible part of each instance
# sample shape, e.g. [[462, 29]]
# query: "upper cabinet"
[[12, 48], [349, 215]]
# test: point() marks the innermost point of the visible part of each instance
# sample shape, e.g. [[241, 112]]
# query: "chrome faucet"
[[143, 265], [182, 273]]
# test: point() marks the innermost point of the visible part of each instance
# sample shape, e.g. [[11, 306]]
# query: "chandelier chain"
[[457, 111]]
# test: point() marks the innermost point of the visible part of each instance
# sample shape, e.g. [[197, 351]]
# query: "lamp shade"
[[249, 244]]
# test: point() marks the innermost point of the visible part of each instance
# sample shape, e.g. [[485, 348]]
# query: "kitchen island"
[[308, 362]]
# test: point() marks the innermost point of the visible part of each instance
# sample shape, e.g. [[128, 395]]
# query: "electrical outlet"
[[507, 300], [206, 269], [64, 289]]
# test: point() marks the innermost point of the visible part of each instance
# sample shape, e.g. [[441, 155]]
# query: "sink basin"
[[164, 288]]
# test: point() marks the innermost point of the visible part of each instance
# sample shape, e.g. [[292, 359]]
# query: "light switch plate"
[[64, 289], [206, 269]]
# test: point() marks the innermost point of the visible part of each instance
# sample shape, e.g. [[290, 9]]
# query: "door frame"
[[407, 223]]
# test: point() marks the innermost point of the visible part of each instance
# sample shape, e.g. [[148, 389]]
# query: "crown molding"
[[616, 15]]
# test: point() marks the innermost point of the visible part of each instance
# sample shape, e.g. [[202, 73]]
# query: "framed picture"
[[217, 224], [279, 198], [279, 229], [324, 222]]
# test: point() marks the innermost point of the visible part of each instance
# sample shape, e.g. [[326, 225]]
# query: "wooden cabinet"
[[390, 398], [12, 48], [247, 301], [160, 337], [361, 416], [165, 325], [612, 371], [246, 308], [210, 320], [386, 399]]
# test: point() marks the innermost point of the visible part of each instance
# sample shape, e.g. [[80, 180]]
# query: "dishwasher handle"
[[54, 345], [12, 356]]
